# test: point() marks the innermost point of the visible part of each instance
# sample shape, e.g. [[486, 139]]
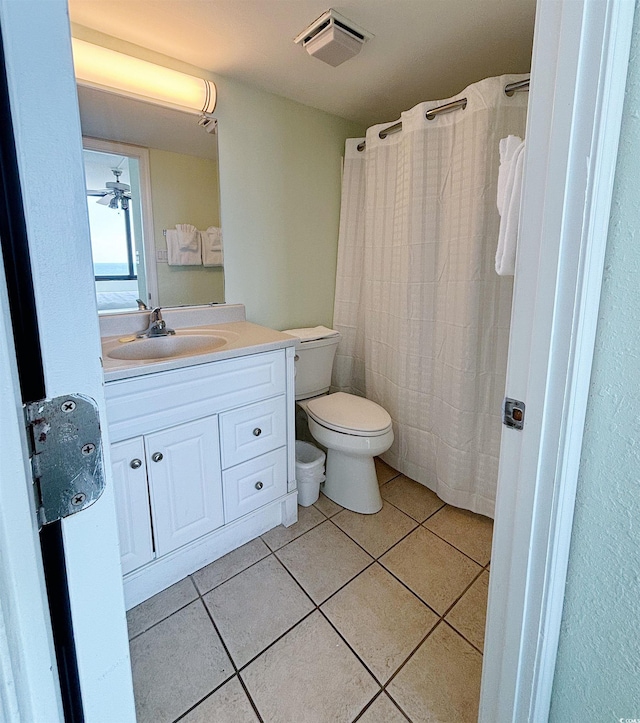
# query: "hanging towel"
[[183, 245], [212, 254], [508, 202]]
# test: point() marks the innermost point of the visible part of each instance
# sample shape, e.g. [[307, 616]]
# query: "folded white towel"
[[508, 202], [310, 333], [183, 245], [187, 237], [212, 254]]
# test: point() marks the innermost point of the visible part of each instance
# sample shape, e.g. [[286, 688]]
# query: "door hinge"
[[66, 455], [513, 413]]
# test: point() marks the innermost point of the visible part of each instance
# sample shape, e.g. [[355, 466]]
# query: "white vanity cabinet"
[[203, 461]]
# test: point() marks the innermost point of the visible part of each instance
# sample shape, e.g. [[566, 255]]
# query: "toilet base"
[[352, 482]]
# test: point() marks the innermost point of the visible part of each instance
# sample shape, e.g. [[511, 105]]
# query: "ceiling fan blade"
[[106, 199], [95, 192]]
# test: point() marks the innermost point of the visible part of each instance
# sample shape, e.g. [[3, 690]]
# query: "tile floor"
[[341, 617]]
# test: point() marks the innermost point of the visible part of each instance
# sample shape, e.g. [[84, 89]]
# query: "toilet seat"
[[349, 414]]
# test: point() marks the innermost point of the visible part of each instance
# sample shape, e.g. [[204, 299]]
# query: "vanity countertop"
[[241, 339]]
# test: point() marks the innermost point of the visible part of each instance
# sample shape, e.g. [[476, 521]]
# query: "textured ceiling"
[[422, 49]]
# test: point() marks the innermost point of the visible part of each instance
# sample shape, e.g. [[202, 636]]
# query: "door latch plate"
[[513, 413], [66, 455]]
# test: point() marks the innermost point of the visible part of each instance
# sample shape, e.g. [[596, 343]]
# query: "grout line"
[[397, 705], [277, 640], [353, 540], [226, 680], [251, 701], [346, 642], [317, 605], [429, 516], [452, 545], [455, 630], [368, 705], [317, 524], [408, 658], [235, 574], [166, 617], [413, 592], [233, 662], [462, 594], [208, 695]]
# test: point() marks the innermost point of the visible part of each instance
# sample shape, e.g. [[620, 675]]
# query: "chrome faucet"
[[157, 325]]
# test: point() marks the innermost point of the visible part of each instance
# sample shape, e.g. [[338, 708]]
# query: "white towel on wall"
[[212, 254], [184, 245], [508, 202]]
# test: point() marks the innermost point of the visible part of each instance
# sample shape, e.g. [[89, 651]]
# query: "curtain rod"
[[509, 89]]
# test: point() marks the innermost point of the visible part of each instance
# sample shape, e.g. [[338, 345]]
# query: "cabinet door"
[[132, 503], [185, 482]]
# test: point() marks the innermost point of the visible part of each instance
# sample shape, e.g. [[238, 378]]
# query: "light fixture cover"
[[333, 38], [100, 67]]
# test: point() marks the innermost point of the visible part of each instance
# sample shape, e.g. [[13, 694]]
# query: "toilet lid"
[[349, 414]]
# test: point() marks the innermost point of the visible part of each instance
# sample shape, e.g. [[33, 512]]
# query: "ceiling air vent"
[[333, 38]]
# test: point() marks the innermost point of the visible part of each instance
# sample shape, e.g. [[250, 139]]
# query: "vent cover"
[[333, 38]]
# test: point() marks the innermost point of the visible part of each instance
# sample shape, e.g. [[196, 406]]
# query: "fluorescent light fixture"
[[106, 69]]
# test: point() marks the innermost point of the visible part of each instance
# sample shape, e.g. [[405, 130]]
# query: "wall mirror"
[[167, 166]]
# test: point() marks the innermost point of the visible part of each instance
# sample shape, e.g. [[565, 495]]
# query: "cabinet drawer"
[[156, 401], [254, 483], [253, 430]]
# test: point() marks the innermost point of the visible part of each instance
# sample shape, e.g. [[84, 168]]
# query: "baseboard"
[[146, 581]]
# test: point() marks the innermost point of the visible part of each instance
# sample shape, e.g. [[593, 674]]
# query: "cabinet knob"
[[257, 432], [157, 456], [135, 463], [259, 485]]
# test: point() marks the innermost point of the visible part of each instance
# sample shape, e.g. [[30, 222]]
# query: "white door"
[[578, 78], [46, 128], [185, 482], [132, 503]]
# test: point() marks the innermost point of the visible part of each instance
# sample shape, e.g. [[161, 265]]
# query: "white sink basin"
[[169, 347]]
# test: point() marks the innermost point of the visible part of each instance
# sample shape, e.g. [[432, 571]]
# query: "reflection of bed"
[[113, 300]]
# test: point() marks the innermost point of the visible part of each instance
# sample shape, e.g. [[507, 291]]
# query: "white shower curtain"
[[424, 317]]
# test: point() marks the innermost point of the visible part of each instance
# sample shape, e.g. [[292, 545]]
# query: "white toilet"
[[353, 429]]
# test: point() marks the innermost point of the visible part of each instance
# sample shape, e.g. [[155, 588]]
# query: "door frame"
[[48, 145], [578, 79]]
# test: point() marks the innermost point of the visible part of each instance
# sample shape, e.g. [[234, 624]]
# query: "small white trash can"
[[309, 472]]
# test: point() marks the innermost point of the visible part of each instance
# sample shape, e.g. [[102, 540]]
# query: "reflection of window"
[[121, 224], [111, 242]]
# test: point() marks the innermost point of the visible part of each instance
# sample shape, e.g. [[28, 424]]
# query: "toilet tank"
[[314, 362]]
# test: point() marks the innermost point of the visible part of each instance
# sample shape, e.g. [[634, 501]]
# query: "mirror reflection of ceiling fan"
[[115, 194]]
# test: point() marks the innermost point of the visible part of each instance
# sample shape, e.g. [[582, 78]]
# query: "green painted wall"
[[280, 174], [184, 189], [280, 171], [598, 668]]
